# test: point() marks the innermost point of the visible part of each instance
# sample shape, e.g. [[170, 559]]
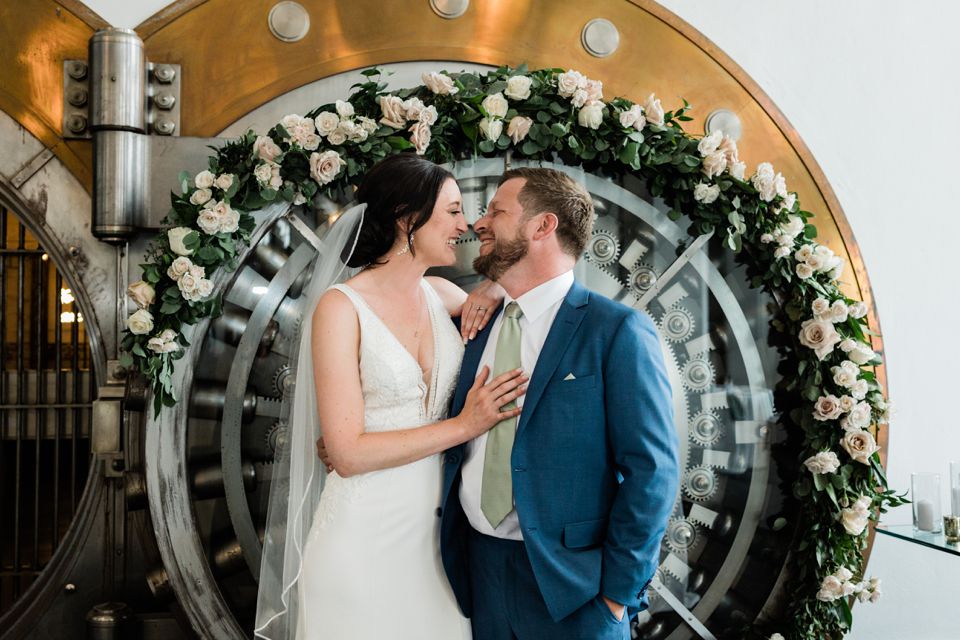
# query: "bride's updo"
[[401, 186]]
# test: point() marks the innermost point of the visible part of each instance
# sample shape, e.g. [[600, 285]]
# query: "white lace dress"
[[371, 563]]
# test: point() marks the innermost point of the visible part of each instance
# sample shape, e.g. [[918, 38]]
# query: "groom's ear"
[[546, 225]]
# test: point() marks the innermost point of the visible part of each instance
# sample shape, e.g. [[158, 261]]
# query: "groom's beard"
[[504, 255]]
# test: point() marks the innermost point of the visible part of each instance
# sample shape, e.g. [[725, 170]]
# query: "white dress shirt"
[[539, 306]]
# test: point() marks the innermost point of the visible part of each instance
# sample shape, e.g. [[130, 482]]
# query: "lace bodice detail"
[[395, 395]]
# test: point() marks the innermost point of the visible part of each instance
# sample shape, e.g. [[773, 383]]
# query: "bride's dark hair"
[[401, 186]]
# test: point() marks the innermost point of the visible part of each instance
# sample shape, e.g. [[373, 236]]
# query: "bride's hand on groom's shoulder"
[[479, 307], [486, 404]]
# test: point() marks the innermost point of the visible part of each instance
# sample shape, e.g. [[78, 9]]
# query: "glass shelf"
[[932, 540]]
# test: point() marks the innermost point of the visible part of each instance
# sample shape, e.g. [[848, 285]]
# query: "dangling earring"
[[406, 247]]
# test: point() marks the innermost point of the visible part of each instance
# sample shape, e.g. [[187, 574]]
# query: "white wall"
[[872, 87]]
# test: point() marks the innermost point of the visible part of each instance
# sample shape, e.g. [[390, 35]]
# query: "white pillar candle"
[[955, 501], [924, 515]]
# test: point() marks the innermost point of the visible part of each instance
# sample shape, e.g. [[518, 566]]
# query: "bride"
[[361, 560]]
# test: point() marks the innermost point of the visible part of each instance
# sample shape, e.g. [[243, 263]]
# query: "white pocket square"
[[570, 376]]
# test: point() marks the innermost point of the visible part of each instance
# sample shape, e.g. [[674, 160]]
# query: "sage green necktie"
[[496, 492]]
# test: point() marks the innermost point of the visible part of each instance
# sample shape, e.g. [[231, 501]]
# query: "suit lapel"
[[568, 319], [471, 359]]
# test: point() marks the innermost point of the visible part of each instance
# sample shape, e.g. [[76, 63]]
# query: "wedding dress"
[[371, 563]]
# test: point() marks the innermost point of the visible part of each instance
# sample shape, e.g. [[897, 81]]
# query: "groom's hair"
[[556, 192]]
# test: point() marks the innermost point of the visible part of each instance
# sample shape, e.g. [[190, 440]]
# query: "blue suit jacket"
[[595, 469]]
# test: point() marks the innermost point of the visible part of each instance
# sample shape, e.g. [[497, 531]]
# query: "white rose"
[[803, 253], [819, 336], [858, 310], [737, 169], [860, 445], [439, 83], [766, 238], [420, 137], [781, 252], [324, 167], [579, 98], [776, 636], [165, 342], [429, 115], [142, 293], [820, 306], [179, 267], [780, 185], [276, 181], [230, 221], [265, 148], [823, 462], [209, 221], [518, 128], [591, 115], [224, 181], [714, 164], [815, 262], [793, 226], [859, 389], [858, 418], [857, 351], [652, 110], [830, 589], [140, 323], [367, 124], [200, 196], [337, 137], [204, 288], [188, 284], [838, 312], [298, 199], [326, 122], [290, 122], [789, 201], [569, 81], [262, 173], [518, 87], [804, 271], [491, 129], [844, 376], [854, 519], [345, 109], [310, 142], [783, 239], [176, 237], [729, 147], [763, 180], [847, 403], [203, 180], [394, 115], [413, 107], [706, 193], [594, 90], [827, 408], [836, 268], [710, 143], [843, 574], [496, 105], [633, 117]]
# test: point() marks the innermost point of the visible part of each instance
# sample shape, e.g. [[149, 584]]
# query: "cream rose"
[[793, 226], [204, 288], [858, 310], [804, 271], [224, 181], [439, 83], [230, 221], [265, 148], [324, 167], [729, 147], [326, 122], [714, 164], [820, 306], [495, 105], [367, 124], [420, 137], [652, 110], [345, 109], [763, 181], [590, 115], [857, 351], [819, 336], [518, 128], [176, 237], [860, 445], [859, 389], [337, 137], [262, 173], [855, 518], [518, 87], [858, 418], [710, 143], [491, 129], [823, 462], [845, 374], [633, 117], [412, 107], [209, 221], [394, 115], [593, 89], [781, 252], [569, 81], [164, 342], [706, 193], [737, 169], [200, 196], [179, 267], [140, 322], [142, 293], [203, 180], [830, 589], [827, 408], [429, 115]]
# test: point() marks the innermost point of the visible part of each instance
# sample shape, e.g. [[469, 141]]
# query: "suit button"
[[519, 469], [439, 511]]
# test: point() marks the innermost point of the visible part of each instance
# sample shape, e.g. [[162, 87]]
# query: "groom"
[[551, 522]]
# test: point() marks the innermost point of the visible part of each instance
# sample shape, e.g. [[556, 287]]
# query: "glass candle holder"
[[925, 493], [955, 488]]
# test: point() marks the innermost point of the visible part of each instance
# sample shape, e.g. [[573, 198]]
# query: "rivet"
[[288, 21], [449, 9], [600, 37]]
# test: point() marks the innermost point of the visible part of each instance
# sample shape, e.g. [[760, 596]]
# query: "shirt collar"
[[537, 301]]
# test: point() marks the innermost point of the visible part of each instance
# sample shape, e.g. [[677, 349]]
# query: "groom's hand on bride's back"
[[324, 455]]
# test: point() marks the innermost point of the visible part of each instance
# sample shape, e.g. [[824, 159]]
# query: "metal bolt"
[[164, 73], [77, 69], [77, 96], [77, 123], [164, 100], [164, 127]]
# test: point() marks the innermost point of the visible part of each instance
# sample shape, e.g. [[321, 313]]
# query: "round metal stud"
[[600, 37], [164, 127], [724, 120], [289, 21], [77, 96], [77, 123], [164, 100], [77, 69], [449, 9]]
